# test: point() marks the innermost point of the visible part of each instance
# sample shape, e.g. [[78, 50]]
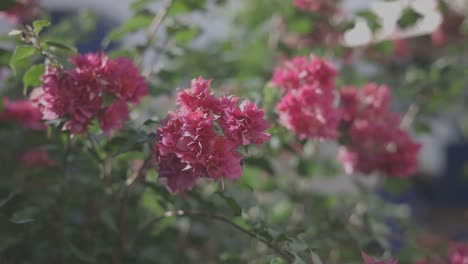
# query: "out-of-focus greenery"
[[71, 213]]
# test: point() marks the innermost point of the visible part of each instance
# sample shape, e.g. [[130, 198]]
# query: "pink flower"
[[201, 138], [309, 113], [36, 158], [22, 10], [301, 71], [458, 254], [325, 7], [22, 112], [77, 94], [113, 116], [245, 125], [373, 139], [370, 260]]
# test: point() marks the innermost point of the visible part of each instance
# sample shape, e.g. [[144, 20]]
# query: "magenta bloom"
[[36, 158], [309, 113], [22, 10], [374, 140], [201, 138], [324, 7], [301, 71], [458, 254], [23, 113], [307, 107], [369, 260], [77, 94]]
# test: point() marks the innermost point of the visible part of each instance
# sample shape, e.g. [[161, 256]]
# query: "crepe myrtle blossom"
[[20, 11], [373, 138], [307, 107], [97, 87], [201, 138], [369, 260], [21, 112]]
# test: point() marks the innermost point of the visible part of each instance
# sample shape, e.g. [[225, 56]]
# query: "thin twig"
[[283, 254], [62, 197]]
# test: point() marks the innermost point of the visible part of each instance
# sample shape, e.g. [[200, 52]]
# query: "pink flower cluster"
[[201, 138], [97, 87], [370, 260], [307, 108], [322, 6], [22, 10], [22, 112], [457, 254], [373, 139], [36, 158]]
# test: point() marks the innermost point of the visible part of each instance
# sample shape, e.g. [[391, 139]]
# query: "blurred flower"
[[307, 107], [22, 112], [370, 260], [201, 138], [458, 254], [78, 94], [36, 158], [20, 11], [373, 139]]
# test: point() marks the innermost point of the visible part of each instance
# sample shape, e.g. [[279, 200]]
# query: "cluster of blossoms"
[[374, 140], [307, 108], [97, 87], [20, 11], [23, 113], [36, 158], [457, 254], [202, 137]]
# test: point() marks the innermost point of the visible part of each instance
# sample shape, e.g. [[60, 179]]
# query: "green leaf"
[[372, 19], [32, 77], [38, 25], [139, 21], [185, 34], [150, 122], [81, 255], [408, 18], [301, 25], [62, 46], [21, 53], [396, 186]]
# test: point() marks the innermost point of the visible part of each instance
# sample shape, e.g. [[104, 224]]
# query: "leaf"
[[7, 199], [373, 21], [32, 77], [81, 255], [139, 21], [396, 186], [62, 46], [232, 203], [408, 18], [301, 25], [38, 25], [184, 35], [21, 53], [150, 122]]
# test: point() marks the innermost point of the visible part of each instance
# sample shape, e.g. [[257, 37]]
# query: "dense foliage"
[[167, 151]]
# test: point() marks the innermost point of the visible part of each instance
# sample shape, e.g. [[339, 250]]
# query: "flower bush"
[[106, 160]]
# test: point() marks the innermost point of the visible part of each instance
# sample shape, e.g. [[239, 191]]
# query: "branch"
[[283, 254]]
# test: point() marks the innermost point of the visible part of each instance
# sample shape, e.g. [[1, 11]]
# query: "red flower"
[[77, 94], [373, 139], [201, 138], [22, 112]]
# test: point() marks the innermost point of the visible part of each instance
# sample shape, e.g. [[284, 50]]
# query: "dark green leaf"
[[372, 19], [150, 122], [408, 18], [21, 53], [32, 77], [62, 46]]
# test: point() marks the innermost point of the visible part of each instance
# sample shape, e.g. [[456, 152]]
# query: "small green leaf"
[[150, 122], [81, 255], [301, 26], [408, 18], [59, 45], [139, 21], [32, 77], [396, 186], [39, 25], [372, 19], [21, 53]]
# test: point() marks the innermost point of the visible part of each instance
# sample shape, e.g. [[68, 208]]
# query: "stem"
[[62, 197], [283, 254]]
